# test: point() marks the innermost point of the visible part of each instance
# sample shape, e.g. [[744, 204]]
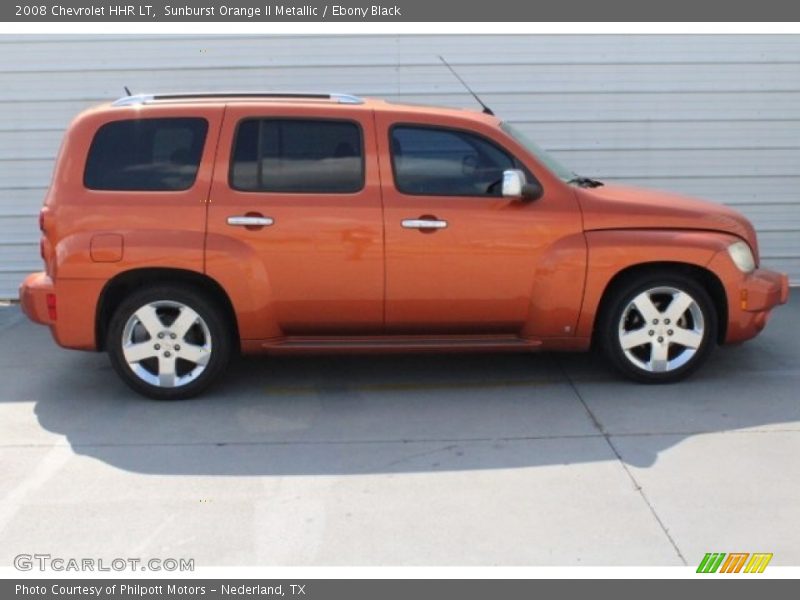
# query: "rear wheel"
[[658, 329], [168, 343]]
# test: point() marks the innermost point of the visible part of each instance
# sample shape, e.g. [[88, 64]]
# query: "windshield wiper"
[[585, 182]]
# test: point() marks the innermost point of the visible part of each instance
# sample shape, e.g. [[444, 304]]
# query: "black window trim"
[[301, 119], [518, 164], [145, 191]]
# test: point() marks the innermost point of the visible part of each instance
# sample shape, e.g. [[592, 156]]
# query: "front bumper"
[[751, 298], [33, 297], [763, 290]]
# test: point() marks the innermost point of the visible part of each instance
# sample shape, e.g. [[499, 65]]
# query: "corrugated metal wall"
[[713, 116]]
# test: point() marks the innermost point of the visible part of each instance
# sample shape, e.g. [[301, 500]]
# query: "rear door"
[[296, 196]]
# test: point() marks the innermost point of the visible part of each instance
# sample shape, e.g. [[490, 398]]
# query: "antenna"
[[127, 91], [486, 109]]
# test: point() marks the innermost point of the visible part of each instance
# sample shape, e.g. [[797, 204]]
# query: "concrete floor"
[[403, 460]]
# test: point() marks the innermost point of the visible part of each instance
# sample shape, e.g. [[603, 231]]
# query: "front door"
[[460, 258], [297, 194]]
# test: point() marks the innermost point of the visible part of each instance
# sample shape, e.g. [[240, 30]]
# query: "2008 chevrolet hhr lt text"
[[179, 228]]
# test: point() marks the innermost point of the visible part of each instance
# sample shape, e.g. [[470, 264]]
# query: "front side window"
[[298, 156], [447, 162], [146, 155]]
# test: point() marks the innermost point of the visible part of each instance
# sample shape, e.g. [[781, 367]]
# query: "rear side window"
[[298, 156], [146, 155]]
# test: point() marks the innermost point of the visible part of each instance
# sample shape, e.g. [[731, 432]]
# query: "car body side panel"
[[77, 305], [158, 228], [236, 266], [613, 251], [477, 274], [155, 229], [142, 248], [558, 289], [319, 267]]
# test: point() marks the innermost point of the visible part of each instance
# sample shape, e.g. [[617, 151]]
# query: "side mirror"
[[515, 186]]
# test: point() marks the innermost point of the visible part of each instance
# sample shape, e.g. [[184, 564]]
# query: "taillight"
[[51, 307], [43, 219]]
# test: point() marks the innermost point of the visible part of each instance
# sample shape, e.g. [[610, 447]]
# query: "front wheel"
[[658, 329], [168, 343]]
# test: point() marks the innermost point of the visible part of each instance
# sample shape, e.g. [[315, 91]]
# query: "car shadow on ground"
[[339, 415]]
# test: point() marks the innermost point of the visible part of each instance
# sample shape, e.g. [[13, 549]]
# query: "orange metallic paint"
[[476, 275], [320, 265], [338, 273], [557, 293], [613, 251], [158, 229], [621, 207], [33, 297], [106, 247], [763, 290]]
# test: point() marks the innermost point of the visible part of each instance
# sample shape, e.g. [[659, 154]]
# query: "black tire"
[[208, 338], [620, 316]]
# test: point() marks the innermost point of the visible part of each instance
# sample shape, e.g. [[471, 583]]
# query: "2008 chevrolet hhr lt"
[[179, 228]]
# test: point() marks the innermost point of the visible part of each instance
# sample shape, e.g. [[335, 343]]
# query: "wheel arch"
[[118, 287], [705, 277]]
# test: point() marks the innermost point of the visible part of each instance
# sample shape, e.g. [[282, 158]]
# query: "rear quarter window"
[[146, 154]]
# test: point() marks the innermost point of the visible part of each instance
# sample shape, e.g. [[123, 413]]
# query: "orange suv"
[[179, 228]]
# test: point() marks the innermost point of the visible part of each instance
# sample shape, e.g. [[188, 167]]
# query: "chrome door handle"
[[423, 224], [245, 221]]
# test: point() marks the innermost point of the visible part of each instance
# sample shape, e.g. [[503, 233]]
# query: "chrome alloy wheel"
[[166, 344], [661, 329]]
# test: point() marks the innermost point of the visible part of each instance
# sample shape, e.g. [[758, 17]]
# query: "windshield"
[[551, 163]]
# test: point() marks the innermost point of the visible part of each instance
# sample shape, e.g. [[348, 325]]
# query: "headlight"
[[742, 256]]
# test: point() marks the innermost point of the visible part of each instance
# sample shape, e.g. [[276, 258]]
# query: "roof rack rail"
[[145, 98]]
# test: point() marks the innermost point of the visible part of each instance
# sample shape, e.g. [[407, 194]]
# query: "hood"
[[621, 207]]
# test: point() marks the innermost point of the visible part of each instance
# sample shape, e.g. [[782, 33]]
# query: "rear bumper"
[[71, 315], [33, 297]]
